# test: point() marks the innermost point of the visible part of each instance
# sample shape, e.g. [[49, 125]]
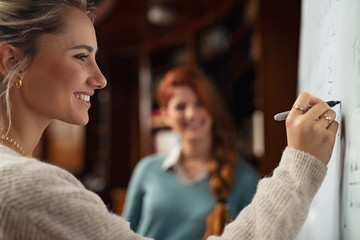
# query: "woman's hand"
[[314, 130]]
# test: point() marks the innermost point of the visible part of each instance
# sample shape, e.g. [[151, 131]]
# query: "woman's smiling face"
[[186, 115], [63, 75]]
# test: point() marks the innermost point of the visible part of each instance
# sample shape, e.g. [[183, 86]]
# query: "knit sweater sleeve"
[[281, 203], [44, 202], [40, 201]]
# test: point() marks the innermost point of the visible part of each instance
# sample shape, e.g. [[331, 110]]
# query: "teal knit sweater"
[[160, 206]]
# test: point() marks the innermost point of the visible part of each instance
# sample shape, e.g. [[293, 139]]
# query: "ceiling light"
[[161, 15]]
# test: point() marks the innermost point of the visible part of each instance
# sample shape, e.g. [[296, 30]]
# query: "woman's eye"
[[82, 57], [180, 107]]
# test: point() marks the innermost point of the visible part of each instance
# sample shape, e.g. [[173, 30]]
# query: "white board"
[[329, 68]]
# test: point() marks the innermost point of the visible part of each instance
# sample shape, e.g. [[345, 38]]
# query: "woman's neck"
[[194, 157], [200, 150], [26, 134], [23, 142], [27, 128]]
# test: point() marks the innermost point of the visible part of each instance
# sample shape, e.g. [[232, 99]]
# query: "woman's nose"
[[190, 112], [98, 80]]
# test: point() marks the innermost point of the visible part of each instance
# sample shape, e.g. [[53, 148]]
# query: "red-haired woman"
[[197, 187]]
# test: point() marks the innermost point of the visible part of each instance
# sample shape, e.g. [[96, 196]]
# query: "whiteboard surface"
[[329, 68]]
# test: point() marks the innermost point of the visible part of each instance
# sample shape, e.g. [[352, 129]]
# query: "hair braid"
[[221, 169]]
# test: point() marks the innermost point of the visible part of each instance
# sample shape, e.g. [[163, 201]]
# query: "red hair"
[[225, 143]]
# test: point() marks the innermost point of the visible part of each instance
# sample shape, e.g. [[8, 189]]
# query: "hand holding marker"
[[282, 116]]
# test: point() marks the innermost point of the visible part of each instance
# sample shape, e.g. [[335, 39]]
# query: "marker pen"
[[282, 116]]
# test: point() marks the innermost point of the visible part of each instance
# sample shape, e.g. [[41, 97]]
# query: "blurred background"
[[249, 48]]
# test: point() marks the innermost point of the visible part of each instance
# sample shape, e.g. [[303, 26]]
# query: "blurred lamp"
[[161, 15]]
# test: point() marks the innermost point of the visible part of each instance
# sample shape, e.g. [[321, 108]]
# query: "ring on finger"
[[297, 107], [327, 117]]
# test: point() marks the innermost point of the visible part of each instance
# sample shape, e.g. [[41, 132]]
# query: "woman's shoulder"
[[147, 167], [32, 180], [245, 164], [246, 169], [27, 171], [150, 161]]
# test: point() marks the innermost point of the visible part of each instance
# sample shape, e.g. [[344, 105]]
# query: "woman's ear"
[[8, 58]]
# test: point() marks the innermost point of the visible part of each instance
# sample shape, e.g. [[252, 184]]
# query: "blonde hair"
[[225, 148], [21, 24]]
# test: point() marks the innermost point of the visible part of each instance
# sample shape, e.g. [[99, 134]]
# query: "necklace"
[[14, 144]]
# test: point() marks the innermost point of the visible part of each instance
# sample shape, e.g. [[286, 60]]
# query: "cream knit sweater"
[[41, 201]]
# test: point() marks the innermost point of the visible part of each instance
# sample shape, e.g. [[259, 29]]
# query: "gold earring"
[[19, 83]]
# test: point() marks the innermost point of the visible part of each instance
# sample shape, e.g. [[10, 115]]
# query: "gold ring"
[[327, 117], [297, 107]]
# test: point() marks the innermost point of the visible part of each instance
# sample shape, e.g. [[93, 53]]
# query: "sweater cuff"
[[308, 170]]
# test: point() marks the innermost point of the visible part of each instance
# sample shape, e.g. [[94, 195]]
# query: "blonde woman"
[[48, 71]]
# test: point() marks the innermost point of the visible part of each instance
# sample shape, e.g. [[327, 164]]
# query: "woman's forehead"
[[78, 31]]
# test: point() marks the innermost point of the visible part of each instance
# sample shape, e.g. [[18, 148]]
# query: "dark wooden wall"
[[279, 25]]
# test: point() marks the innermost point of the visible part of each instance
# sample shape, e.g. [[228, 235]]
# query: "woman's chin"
[[78, 122], [194, 137]]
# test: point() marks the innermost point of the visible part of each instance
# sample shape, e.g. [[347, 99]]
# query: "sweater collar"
[[172, 158], [7, 150], [172, 162]]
